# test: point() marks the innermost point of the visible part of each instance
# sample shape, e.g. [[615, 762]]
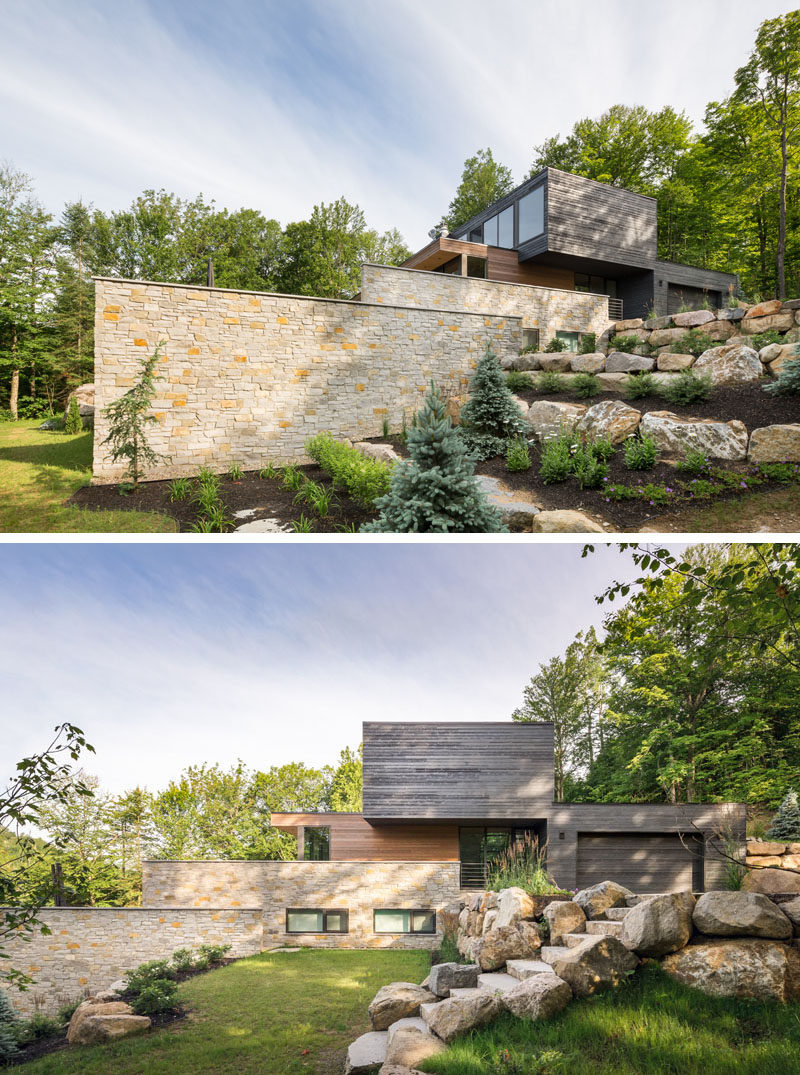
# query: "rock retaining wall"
[[775, 866]]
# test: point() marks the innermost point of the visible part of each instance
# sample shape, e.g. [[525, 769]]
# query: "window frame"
[[324, 911], [411, 911], [315, 828], [518, 205]]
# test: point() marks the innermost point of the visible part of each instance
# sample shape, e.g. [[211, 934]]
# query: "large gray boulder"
[[84, 394], [539, 997], [409, 1046], [366, 1053], [792, 911], [612, 418], [596, 964], [549, 418], [563, 917], [746, 967], [399, 1000], [513, 905], [595, 362], [595, 900], [557, 362], [693, 318], [622, 362], [457, 1015], [675, 435], [772, 882], [740, 914], [497, 946], [659, 925], [730, 364], [775, 444], [447, 976]]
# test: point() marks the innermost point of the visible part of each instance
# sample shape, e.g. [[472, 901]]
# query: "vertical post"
[[301, 842], [463, 264]]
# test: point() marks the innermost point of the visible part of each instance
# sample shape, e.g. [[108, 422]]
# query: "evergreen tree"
[[788, 380], [74, 422], [128, 419], [8, 1024], [491, 416], [786, 823], [435, 491]]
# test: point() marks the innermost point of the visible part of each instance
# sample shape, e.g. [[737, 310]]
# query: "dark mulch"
[[266, 495]]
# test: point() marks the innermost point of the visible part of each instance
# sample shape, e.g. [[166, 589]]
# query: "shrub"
[[693, 342], [128, 421], [518, 456], [555, 346], [213, 953], [786, 823], [435, 491], [639, 385], [156, 997], [183, 960], [522, 865], [179, 489], [585, 385], [9, 1028], [555, 460], [547, 381], [587, 468], [32, 407], [269, 471], [293, 478], [518, 381], [641, 452], [694, 462], [764, 339], [66, 1011], [6, 414], [588, 343], [602, 448], [448, 952], [37, 1027], [364, 479], [146, 973], [788, 380], [73, 423], [235, 473], [686, 387], [491, 415], [627, 344]]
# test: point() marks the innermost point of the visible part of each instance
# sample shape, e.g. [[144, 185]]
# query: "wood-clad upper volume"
[[459, 770]]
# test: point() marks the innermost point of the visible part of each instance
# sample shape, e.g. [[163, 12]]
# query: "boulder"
[[740, 914], [731, 314], [118, 986], [522, 363], [539, 997], [489, 920], [97, 1029], [397, 1001], [669, 360], [513, 904], [780, 322], [775, 444], [613, 382], [595, 901], [747, 968], [457, 1015], [631, 323], [548, 419], [665, 336], [622, 362], [764, 309], [564, 916], [565, 521], [447, 976], [790, 304], [770, 353], [655, 324], [730, 364], [693, 318], [555, 362], [764, 860], [659, 925], [719, 330], [673, 435], [612, 418], [84, 394], [596, 964], [792, 911], [94, 1007], [772, 882], [411, 1045], [508, 942], [366, 1053], [591, 363], [765, 847], [385, 453]]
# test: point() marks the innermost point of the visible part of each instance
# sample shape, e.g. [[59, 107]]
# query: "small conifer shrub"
[[9, 1024], [786, 823], [490, 417], [788, 380], [435, 490], [128, 421], [73, 422]]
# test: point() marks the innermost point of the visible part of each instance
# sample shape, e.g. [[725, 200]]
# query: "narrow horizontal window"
[[400, 921], [308, 920]]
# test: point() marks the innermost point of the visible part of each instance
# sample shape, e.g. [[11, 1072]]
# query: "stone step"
[[464, 991], [367, 1052], [572, 940], [608, 929], [526, 968], [616, 914], [497, 982], [412, 1021], [551, 952], [633, 901]]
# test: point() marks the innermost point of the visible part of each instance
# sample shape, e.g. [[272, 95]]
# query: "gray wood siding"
[[646, 863], [708, 279], [459, 770], [594, 220]]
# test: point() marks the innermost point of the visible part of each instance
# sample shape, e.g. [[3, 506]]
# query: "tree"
[[490, 417], [483, 181], [73, 314], [128, 420], [346, 785], [73, 422], [435, 491], [786, 823], [772, 77]]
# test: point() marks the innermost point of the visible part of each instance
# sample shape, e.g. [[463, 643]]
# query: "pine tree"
[[8, 1023], [786, 823], [435, 491], [788, 380], [128, 420], [73, 422], [491, 416]]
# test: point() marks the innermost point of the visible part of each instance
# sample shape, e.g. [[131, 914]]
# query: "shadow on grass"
[[74, 452]]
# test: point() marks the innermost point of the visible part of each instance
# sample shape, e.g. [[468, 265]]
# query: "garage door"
[[641, 862]]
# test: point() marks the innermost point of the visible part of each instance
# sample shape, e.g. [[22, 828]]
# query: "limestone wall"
[[545, 308], [248, 377], [90, 947], [358, 887]]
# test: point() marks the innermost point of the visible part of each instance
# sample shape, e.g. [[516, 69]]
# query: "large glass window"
[[477, 267], [505, 227], [531, 214], [398, 921], [490, 231], [600, 285], [316, 921], [317, 844]]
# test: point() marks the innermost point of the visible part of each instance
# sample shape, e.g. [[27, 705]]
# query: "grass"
[[39, 470], [773, 510], [268, 1015], [649, 1026]]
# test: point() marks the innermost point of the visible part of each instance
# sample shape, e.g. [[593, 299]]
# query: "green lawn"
[[268, 1015], [39, 470], [650, 1026]]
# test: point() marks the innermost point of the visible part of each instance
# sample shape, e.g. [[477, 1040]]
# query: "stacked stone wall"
[[774, 866], [90, 947]]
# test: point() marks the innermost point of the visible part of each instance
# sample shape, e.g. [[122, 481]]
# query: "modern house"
[[559, 230]]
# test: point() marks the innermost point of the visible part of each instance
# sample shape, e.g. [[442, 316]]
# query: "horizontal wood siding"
[[355, 840], [505, 265], [642, 863], [689, 276], [636, 292], [458, 770]]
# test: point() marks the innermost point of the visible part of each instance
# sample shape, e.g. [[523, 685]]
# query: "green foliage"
[[555, 459], [235, 472], [786, 823], [641, 452], [587, 467], [694, 462], [788, 380], [146, 974], [128, 421], [344, 793], [179, 489], [73, 422], [764, 339], [483, 181], [37, 1027], [269, 472], [602, 448], [693, 342], [626, 343], [522, 865], [639, 385], [6, 415], [157, 997], [9, 1029], [212, 954], [518, 380], [491, 416], [435, 491], [518, 456], [303, 525], [585, 385], [551, 383], [687, 387], [448, 950], [556, 346], [183, 960], [292, 478], [588, 344], [364, 479], [212, 513]]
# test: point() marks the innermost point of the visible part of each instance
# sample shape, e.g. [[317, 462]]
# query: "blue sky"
[[171, 655], [278, 105]]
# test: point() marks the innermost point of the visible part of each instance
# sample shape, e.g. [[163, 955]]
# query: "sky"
[[278, 106], [171, 655]]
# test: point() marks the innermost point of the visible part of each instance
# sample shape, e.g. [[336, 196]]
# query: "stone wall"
[[248, 377], [90, 947], [775, 866], [545, 308], [358, 887]]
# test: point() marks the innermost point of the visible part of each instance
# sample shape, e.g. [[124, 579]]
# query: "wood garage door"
[[642, 862]]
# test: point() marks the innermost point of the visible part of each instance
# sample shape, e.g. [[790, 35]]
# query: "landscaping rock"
[[84, 394], [118, 986], [740, 914], [719, 330], [747, 968], [673, 434], [730, 364], [564, 916], [613, 382], [457, 1015], [765, 847], [557, 362], [731, 314], [399, 1000], [654, 324], [669, 360], [659, 925], [595, 362], [97, 1029], [792, 911], [693, 318], [565, 521], [622, 362], [769, 353], [447, 976], [548, 419], [489, 920], [595, 901], [764, 860], [513, 904], [665, 336], [383, 452], [522, 363], [790, 304], [780, 322], [597, 964], [106, 996], [612, 418], [772, 882], [517, 512], [764, 309], [411, 1045], [525, 968], [508, 942], [630, 323], [539, 997], [261, 526], [774, 444], [403, 1024], [523, 405], [91, 1008], [366, 1053], [497, 982]]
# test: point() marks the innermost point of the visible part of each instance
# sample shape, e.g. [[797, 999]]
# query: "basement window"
[[405, 921], [316, 921], [571, 339]]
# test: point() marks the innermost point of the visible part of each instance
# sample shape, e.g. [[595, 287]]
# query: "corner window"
[[316, 921], [571, 339], [317, 844], [505, 227], [405, 921], [476, 235], [531, 214], [490, 231]]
